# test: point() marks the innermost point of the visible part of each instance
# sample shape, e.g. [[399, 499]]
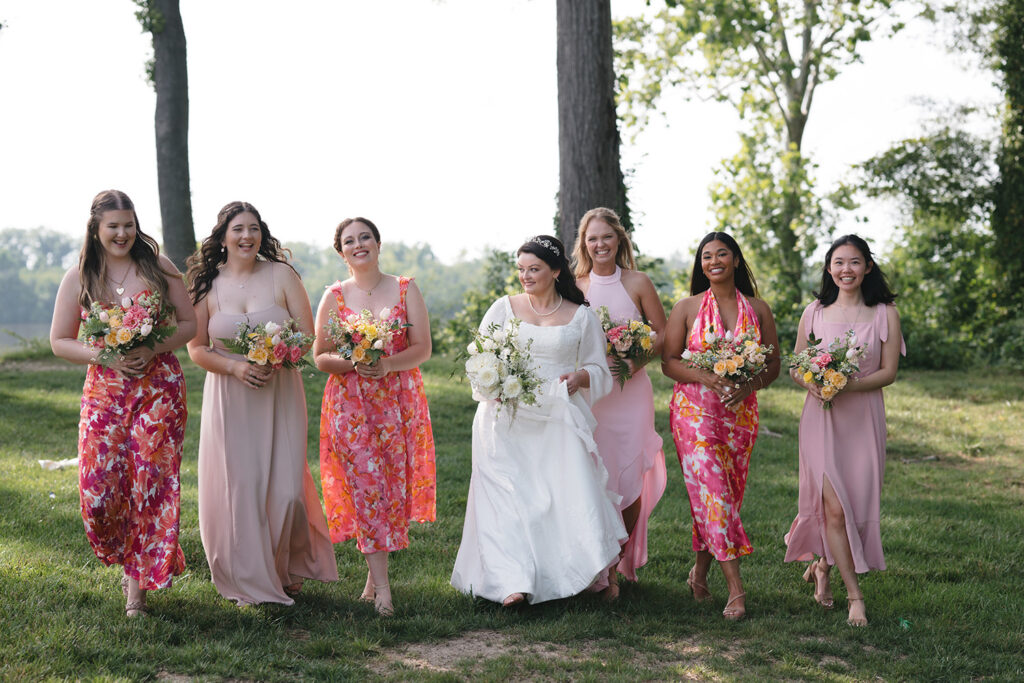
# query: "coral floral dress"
[[130, 436], [377, 449], [714, 443]]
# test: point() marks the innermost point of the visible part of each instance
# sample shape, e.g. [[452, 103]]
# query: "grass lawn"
[[948, 608]]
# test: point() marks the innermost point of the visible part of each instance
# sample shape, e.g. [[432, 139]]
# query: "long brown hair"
[[92, 262], [623, 255], [204, 265], [742, 275]]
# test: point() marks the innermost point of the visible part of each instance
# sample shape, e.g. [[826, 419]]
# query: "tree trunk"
[[170, 78], [588, 137]]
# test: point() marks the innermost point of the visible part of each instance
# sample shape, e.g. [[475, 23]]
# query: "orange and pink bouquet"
[[117, 329], [362, 338], [830, 368], [627, 340], [279, 345], [740, 357]]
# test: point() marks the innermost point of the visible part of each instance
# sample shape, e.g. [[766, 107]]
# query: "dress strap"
[[403, 287], [339, 295], [882, 325]]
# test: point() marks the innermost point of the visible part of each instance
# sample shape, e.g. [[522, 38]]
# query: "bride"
[[540, 522]]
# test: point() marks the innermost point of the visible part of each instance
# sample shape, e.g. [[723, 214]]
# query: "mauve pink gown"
[[625, 436], [847, 445]]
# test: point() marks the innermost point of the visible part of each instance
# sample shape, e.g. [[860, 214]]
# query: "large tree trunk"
[[588, 138], [170, 77]]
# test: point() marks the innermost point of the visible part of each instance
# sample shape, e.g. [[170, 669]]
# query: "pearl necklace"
[[529, 300]]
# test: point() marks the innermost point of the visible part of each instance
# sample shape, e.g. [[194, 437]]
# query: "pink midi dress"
[[625, 436], [845, 444], [377, 450], [714, 443]]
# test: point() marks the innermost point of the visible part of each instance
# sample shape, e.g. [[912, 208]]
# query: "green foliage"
[[152, 22], [499, 279], [766, 60], [32, 263]]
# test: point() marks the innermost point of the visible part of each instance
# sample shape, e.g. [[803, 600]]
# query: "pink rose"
[[823, 360], [295, 354], [280, 351], [356, 337]]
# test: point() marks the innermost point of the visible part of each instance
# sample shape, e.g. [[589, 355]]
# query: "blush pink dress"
[[714, 443], [260, 518], [846, 445], [377, 450], [625, 436], [130, 438]]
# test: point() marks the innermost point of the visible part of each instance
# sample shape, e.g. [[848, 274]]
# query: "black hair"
[[551, 251], [874, 287], [742, 275]]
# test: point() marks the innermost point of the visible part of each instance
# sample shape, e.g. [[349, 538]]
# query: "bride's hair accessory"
[[547, 243]]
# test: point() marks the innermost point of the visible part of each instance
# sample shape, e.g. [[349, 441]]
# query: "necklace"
[[369, 292], [120, 285], [241, 285], [529, 300], [846, 318]]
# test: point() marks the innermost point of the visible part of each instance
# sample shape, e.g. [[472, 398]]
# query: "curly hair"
[[204, 265]]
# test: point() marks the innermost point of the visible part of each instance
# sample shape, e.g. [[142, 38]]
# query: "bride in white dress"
[[540, 523]]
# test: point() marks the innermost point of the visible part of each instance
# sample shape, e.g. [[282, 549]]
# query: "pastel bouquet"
[[629, 340], [279, 345], [499, 367], [830, 368], [737, 357], [117, 329], [362, 338]]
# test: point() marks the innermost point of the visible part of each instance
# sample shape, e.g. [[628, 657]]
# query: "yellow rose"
[[124, 335], [371, 331], [720, 368], [258, 355], [634, 325], [268, 342], [114, 322], [808, 376], [358, 354], [840, 380], [738, 360], [645, 343], [731, 366], [110, 339], [828, 391]]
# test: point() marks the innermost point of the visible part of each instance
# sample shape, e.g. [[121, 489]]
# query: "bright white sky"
[[437, 120]]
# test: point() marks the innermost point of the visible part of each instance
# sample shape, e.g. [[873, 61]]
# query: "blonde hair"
[[582, 262]]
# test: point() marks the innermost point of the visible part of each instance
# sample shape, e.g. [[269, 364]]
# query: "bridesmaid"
[[713, 419], [629, 446], [842, 450], [259, 514], [376, 442], [128, 471]]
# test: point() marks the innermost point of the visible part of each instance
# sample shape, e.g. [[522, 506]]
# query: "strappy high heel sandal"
[[704, 594], [858, 622], [382, 600], [133, 608], [368, 592], [812, 575], [734, 613], [294, 589]]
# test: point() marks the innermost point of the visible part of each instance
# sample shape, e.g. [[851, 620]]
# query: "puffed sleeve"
[[498, 313], [591, 357]]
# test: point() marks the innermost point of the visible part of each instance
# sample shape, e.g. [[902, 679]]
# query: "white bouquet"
[[500, 369]]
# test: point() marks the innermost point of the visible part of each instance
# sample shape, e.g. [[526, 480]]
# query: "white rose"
[[275, 340], [687, 354], [728, 335], [272, 328], [379, 344], [757, 358], [488, 377], [471, 349], [104, 317], [490, 392], [385, 313], [512, 387], [489, 345], [145, 329], [852, 353], [709, 337], [815, 368], [482, 361], [126, 302], [505, 353]]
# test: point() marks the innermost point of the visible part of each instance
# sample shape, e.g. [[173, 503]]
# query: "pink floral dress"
[[377, 450], [130, 437], [714, 443]]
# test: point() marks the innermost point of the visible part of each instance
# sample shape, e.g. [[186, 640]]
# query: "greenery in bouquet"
[[280, 345], [830, 368], [362, 338], [624, 341], [118, 328], [738, 357], [499, 367]]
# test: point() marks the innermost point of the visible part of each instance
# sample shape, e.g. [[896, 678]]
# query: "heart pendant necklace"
[[120, 285]]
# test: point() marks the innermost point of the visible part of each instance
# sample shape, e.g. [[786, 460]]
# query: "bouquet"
[[829, 368], [740, 357], [362, 338], [270, 343], [117, 329], [499, 367], [630, 340]]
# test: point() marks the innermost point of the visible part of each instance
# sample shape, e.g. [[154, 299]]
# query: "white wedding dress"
[[539, 517]]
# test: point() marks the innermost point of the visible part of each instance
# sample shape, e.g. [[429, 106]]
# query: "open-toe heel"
[[856, 621], [699, 590], [817, 573], [368, 593], [734, 613]]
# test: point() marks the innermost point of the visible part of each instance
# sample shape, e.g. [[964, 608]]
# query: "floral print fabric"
[[130, 437], [714, 443], [377, 450]]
